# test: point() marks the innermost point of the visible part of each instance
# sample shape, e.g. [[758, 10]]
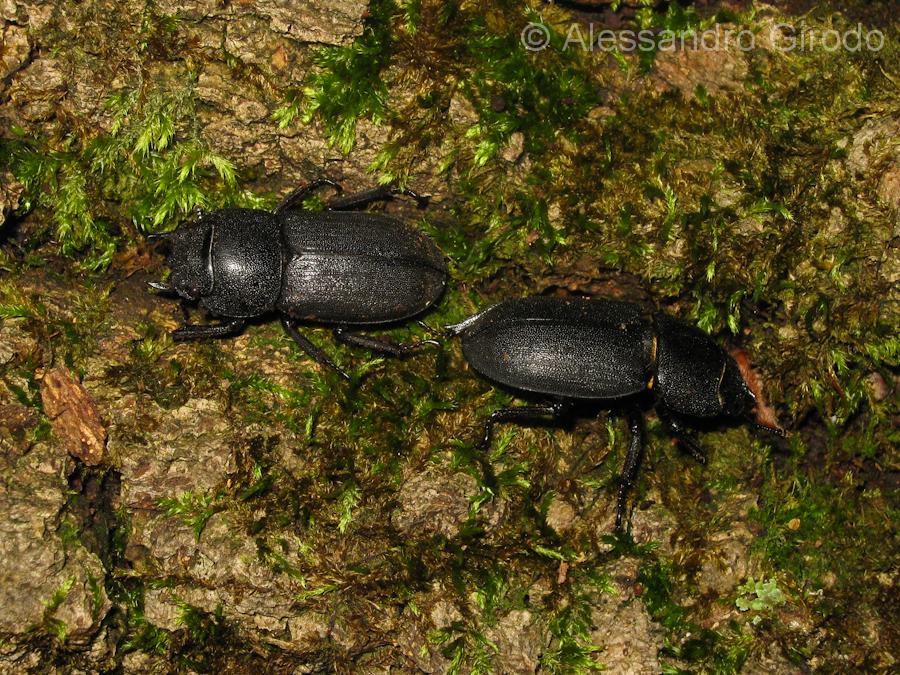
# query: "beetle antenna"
[[162, 241]]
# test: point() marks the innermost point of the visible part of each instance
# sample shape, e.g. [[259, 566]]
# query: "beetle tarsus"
[[192, 332], [632, 465], [380, 345], [421, 200], [523, 415], [693, 448], [312, 350]]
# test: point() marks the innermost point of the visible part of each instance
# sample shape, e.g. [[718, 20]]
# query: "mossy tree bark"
[[251, 511]]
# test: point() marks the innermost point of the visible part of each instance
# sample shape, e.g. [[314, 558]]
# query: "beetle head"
[[188, 256], [696, 377], [738, 400]]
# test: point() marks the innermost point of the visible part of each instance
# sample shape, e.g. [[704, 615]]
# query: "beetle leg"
[[359, 199], [632, 464], [380, 345], [185, 311], [314, 352], [304, 191], [524, 414], [191, 332], [421, 200], [684, 437], [442, 332]]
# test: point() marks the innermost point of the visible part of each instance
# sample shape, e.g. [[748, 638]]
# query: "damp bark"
[[226, 506]]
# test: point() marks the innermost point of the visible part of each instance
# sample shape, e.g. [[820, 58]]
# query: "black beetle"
[[581, 349], [335, 267]]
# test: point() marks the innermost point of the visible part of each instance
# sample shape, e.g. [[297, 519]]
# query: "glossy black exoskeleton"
[[336, 267], [569, 349]]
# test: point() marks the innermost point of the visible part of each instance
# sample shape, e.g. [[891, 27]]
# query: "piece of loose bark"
[[74, 416]]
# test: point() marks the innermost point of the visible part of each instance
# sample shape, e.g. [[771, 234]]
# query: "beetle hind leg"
[[312, 350], [524, 414], [380, 345], [632, 465]]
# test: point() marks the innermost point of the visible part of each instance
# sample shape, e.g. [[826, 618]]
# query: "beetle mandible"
[[334, 267], [570, 349]]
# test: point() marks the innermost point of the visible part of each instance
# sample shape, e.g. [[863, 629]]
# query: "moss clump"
[[141, 169], [348, 85], [52, 625], [151, 160]]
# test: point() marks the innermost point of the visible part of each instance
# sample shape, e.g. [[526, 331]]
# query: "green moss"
[[127, 592], [571, 649], [51, 624], [193, 509], [203, 627], [723, 650], [97, 597], [348, 85], [731, 209], [466, 651], [808, 524], [145, 171]]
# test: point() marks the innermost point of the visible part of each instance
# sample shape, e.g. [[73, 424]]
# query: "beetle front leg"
[[682, 435], [191, 332], [632, 464], [525, 414], [314, 352], [380, 345], [184, 305]]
